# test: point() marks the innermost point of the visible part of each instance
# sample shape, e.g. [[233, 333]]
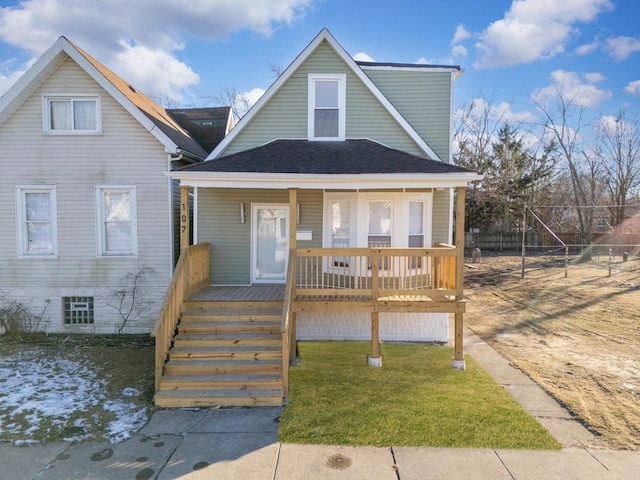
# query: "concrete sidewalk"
[[242, 444]]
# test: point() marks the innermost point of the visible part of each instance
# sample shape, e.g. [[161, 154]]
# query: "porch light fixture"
[[241, 212]]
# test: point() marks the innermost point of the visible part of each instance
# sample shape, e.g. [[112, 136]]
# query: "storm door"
[[270, 243]]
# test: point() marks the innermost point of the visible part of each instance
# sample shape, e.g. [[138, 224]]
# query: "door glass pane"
[[271, 244], [340, 224], [379, 224]]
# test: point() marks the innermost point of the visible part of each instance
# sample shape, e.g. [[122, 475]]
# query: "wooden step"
[[216, 315], [229, 328], [254, 305], [219, 398], [222, 367], [203, 340], [220, 382], [226, 353]]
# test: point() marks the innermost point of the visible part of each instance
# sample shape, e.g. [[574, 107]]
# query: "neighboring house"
[[85, 202], [367, 149]]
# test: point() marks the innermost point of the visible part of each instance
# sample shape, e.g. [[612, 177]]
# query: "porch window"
[[37, 230], [327, 107], [379, 224], [416, 225], [116, 221], [78, 115]]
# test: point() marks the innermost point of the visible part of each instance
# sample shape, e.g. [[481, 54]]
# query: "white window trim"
[[46, 116], [399, 216], [341, 78], [100, 227], [21, 215]]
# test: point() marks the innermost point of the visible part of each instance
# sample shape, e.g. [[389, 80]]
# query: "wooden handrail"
[[191, 274], [376, 272], [287, 328]]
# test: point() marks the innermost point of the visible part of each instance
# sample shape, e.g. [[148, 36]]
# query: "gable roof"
[[152, 116], [351, 157], [324, 35], [208, 126]]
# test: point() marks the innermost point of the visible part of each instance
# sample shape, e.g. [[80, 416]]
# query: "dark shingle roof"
[[341, 158], [208, 126]]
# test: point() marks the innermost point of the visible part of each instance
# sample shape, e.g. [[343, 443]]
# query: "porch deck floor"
[[257, 292]]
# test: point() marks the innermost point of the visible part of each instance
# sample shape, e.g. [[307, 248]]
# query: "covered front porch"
[[371, 281]]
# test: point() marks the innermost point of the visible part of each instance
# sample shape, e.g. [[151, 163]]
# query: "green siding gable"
[[285, 115], [423, 98]]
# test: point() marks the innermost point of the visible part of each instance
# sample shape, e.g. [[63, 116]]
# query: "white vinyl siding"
[[37, 221], [117, 224], [124, 154], [71, 114]]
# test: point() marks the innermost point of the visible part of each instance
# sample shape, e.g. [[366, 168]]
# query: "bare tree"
[[129, 299], [240, 103], [563, 125], [618, 150]]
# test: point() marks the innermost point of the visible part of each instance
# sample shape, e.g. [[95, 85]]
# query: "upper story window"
[[117, 229], [327, 99], [37, 230], [72, 115]]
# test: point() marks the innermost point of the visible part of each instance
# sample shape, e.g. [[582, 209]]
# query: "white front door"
[[270, 243]]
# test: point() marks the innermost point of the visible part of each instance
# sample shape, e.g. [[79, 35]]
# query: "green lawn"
[[415, 399]]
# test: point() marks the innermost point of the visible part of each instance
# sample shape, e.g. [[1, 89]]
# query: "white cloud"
[[534, 29], [577, 89], [362, 57], [162, 77], [459, 51], [633, 88], [253, 96], [150, 31], [621, 47], [587, 48], [460, 34]]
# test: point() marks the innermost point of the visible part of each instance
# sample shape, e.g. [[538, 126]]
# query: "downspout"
[[171, 157]]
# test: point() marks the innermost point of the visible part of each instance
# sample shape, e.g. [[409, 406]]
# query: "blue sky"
[[184, 51]]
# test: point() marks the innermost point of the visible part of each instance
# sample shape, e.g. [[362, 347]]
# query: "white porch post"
[[184, 217]]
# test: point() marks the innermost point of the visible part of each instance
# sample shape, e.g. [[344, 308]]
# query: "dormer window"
[[72, 114], [327, 98]]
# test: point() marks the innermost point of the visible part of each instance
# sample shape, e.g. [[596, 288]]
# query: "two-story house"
[[332, 203], [85, 202]]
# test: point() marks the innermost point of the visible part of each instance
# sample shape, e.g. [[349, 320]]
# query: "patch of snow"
[[48, 390], [131, 392]]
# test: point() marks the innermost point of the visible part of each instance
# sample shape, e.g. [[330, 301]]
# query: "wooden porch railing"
[[376, 272], [287, 327], [191, 274]]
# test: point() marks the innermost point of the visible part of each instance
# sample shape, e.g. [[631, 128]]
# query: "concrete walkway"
[[242, 444]]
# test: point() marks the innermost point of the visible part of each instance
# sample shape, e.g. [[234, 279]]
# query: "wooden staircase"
[[224, 354]]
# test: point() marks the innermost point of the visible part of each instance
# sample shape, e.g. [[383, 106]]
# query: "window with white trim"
[[379, 234], [116, 214], [37, 227], [327, 99], [72, 114]]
